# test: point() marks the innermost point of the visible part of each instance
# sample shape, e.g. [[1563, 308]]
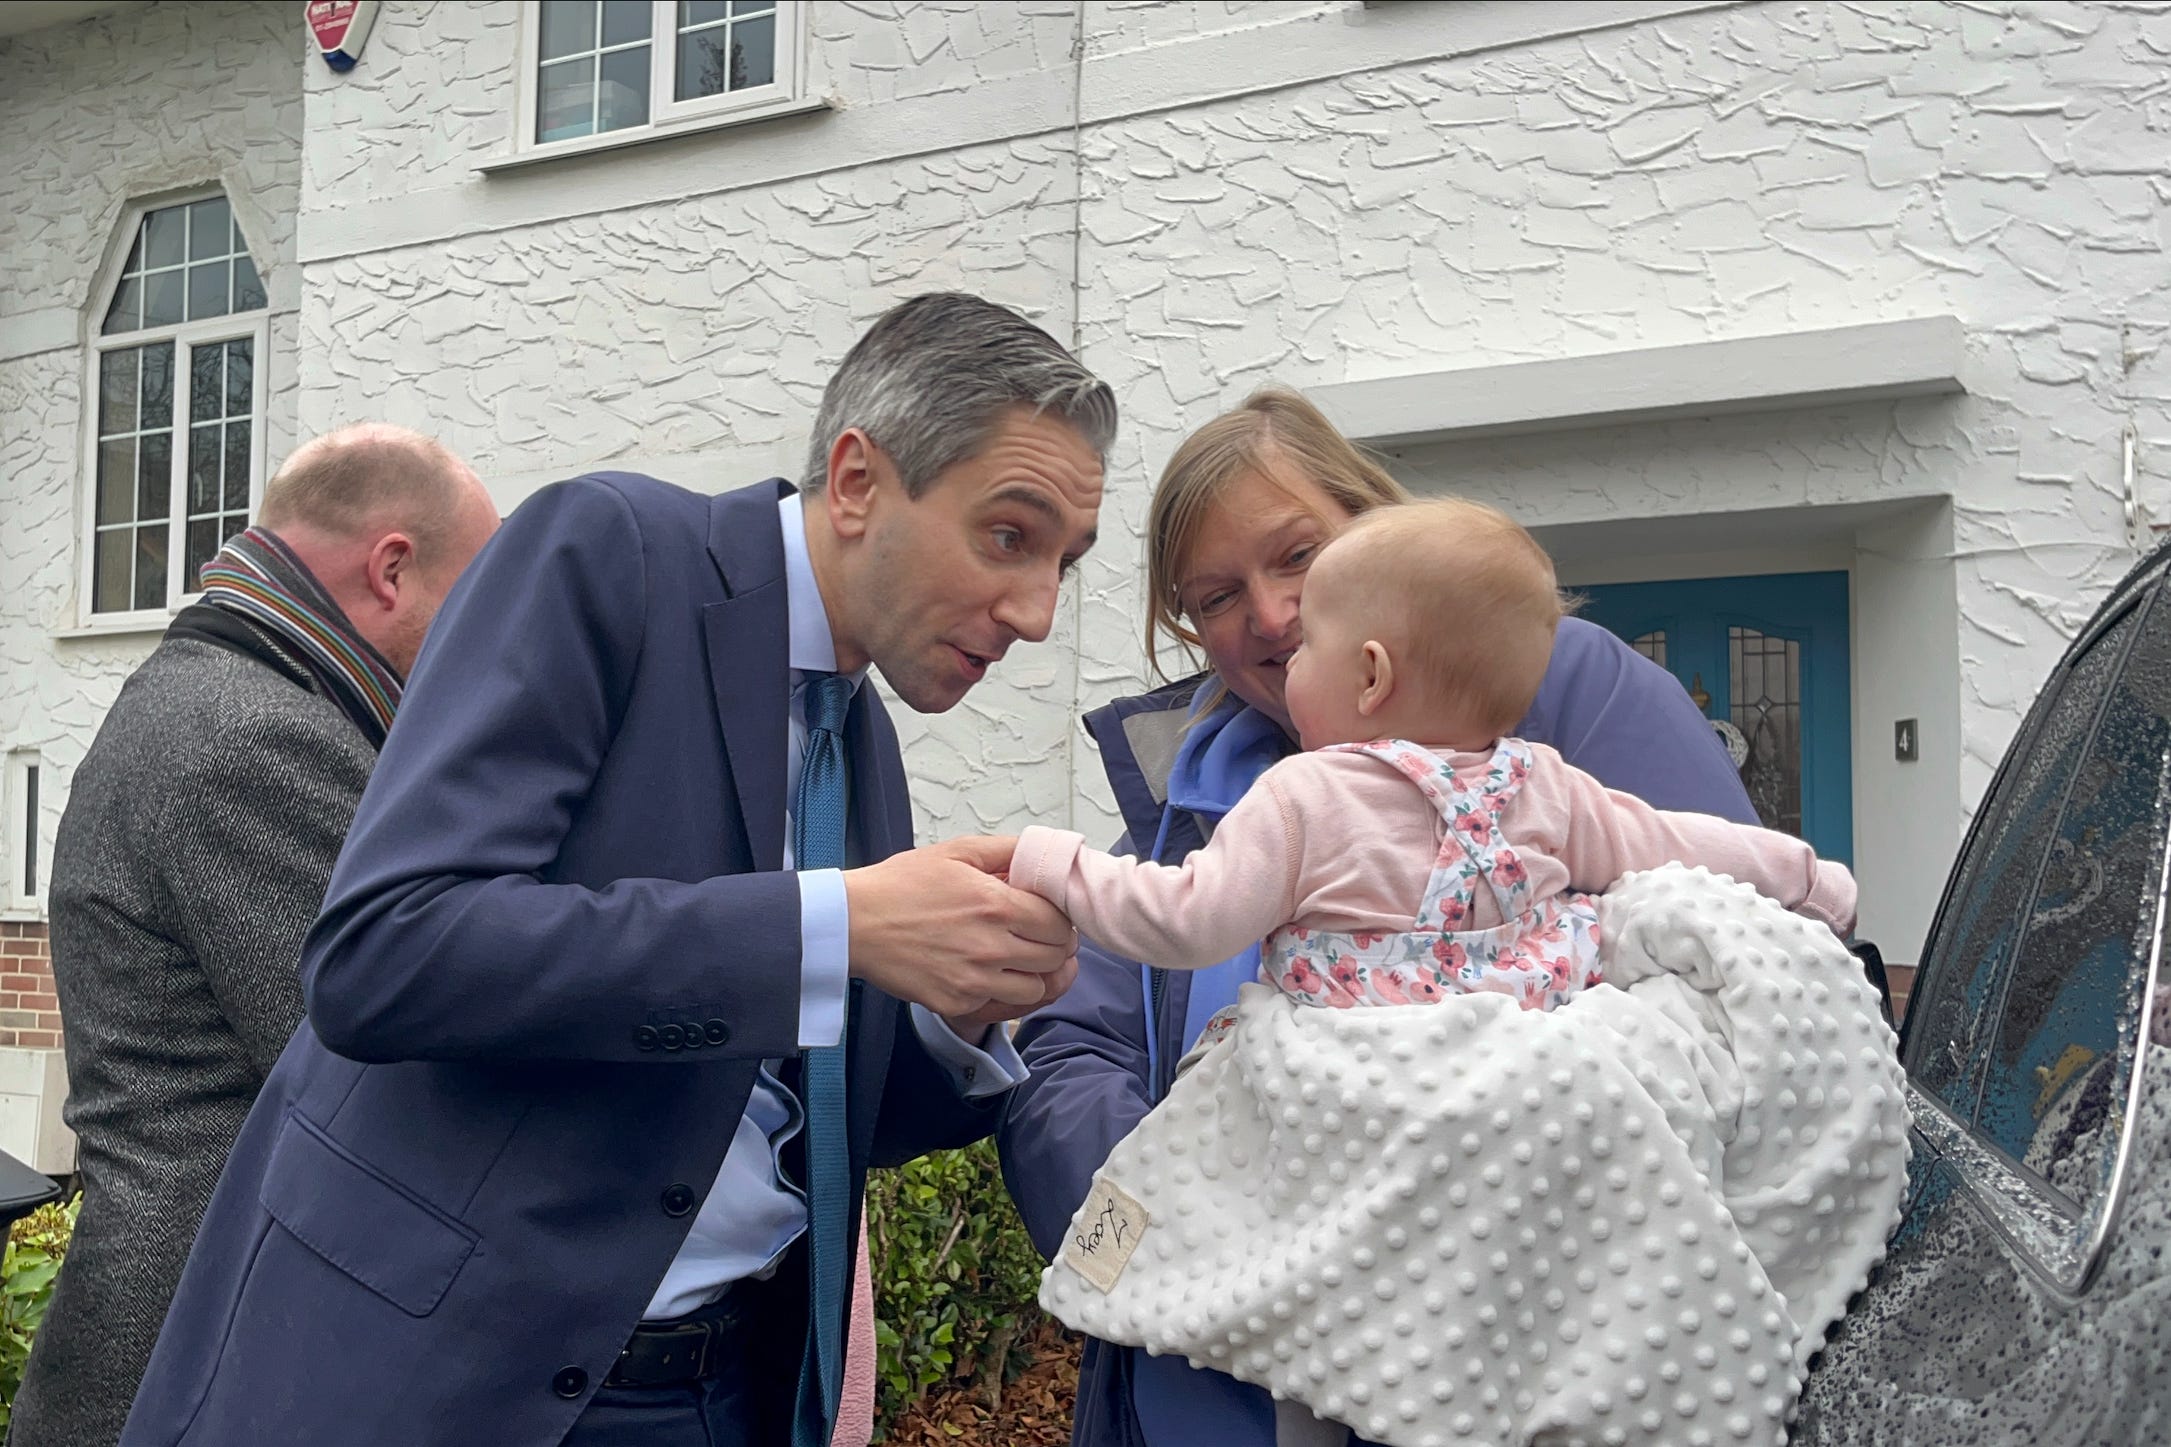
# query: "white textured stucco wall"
[[1211, 196], [97, 115]]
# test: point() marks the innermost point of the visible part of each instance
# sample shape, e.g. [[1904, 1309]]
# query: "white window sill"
[[119, 628], [641, 135], [23, 914]]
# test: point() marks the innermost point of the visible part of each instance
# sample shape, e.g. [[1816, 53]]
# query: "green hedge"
[[34, 1250], [955, 1278]]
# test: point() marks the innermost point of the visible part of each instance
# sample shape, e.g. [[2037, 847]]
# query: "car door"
[[2024, 1298]]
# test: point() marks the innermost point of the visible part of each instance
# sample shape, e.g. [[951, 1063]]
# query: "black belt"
[[693, 1348]]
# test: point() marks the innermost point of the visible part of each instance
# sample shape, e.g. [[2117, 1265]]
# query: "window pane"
[[117, 480], [109, 588], [210, 229], [625, 89], [164, 232], [248, 287], [727, 58], [157, 386], [238, 373], [203, 545], [207, 283], [565, 101], [237, 466], [117, 392], [151, 567], [154, 475], [126, 313], [207, 382], [203, 470], [753, 7], [569, 27], [701, 12], [1949, 1024], [162, 293], [624, 21], [2055, 1093], [753, 52], [703, 63]]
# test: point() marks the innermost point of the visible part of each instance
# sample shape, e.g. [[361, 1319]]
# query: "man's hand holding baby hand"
[[939, 927]]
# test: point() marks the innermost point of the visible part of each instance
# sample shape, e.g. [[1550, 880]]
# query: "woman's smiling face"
[[1245, 576]]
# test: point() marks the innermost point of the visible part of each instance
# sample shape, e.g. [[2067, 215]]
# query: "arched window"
[[176, 393]]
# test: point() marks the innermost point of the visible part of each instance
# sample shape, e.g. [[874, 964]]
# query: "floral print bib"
[[1545, 952]]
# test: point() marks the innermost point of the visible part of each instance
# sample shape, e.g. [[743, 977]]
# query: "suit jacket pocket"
[[373, 1229]]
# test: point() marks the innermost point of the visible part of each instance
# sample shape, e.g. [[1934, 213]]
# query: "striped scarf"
[[258, 577]]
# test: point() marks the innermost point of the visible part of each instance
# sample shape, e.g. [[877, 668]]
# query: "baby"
[[1415, 850]]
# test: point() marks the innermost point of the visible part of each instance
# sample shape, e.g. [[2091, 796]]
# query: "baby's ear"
[[1378, 679]]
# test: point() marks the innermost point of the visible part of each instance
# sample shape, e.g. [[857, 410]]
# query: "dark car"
[[2027, 1298]]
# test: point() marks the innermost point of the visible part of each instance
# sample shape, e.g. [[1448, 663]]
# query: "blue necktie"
[[818, 843]]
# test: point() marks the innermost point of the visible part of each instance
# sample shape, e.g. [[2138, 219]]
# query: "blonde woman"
[[1241, 510]]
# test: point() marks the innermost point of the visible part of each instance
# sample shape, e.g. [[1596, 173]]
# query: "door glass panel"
[[1652, 646], [1767, 707], [1964, 968], [2055, 1089]]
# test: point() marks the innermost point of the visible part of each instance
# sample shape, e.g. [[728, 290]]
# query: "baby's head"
[[1432, 621]]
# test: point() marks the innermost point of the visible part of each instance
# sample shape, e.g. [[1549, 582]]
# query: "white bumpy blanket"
[[1630, 1220]]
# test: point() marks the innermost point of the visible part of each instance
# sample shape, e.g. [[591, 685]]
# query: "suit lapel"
[[748, 640], [883, 813], [749, 653]]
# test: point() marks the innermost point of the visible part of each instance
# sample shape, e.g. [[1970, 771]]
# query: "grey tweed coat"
[[199, 836]]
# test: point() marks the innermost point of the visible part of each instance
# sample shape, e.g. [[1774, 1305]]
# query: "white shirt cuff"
[[975, 1071], [825, 957]]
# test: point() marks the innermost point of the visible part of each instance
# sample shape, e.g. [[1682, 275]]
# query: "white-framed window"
[[174, 422], [605, 72], [23, 890]]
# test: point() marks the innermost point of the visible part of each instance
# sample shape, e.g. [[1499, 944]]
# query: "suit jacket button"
[[570, 1382], [644, 1037], [716, 1032], [677, 1199], [672, 1036]]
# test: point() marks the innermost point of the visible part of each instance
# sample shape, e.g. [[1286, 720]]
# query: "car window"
[[1964, 972], [2056, 1077]]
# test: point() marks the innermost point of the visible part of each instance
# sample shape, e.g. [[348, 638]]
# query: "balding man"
[[200, 832]]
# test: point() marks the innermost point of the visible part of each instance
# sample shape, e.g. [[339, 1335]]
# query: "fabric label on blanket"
[[1106, 1233]]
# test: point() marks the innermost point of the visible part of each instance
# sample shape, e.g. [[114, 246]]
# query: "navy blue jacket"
[[555, 950], [1609, 710]]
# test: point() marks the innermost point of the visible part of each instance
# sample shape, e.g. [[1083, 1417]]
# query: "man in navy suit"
[[628, 970]]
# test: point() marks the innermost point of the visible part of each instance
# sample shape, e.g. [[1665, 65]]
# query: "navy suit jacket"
[[469, 1169]]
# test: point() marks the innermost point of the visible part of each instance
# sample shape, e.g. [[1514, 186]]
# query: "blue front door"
[[1766, 659]]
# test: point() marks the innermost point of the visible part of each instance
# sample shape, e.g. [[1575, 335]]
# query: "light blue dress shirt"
[[753, 1213]]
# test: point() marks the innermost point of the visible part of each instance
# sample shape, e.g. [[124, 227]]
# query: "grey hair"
[[932, 376]]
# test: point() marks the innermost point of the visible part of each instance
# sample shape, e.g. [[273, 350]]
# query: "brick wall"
[[29, 1011]]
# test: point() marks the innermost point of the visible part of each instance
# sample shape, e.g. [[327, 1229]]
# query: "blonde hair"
[[1275, 434], [370, 475], [1462, 595]]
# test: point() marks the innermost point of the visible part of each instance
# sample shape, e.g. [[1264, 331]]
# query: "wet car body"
[[2027, 1296]]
